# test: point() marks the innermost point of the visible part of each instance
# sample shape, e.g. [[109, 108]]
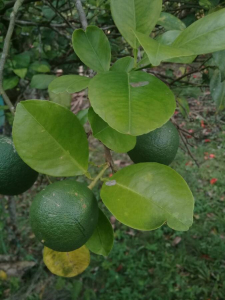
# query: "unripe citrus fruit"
[[159, 146], [15, 176], [64, 215]]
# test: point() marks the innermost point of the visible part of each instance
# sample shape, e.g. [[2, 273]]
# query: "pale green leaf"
[[168, 38], [62, 98], [101, 242], [69, 83], [205, 35], [219, 59], [113, 139], [20, 72], [67, 264], [50, 138], [157, 52], [131, 103], [125, 64], [217, 89], [41, 81], [147, 195], [135, 15], [93, 48], [170, 22]]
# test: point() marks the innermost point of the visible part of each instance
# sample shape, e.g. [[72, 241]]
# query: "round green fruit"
[[16, 177], [64, 215], [159, 146]]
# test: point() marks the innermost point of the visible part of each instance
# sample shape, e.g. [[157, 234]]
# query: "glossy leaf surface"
[[113, 139], [135, 15], [69, 83], [67, 264], [50, 138], [101, 242], [147, 195], [93, 48], [131, 103]]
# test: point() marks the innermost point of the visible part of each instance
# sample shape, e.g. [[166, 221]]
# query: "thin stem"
[[98, 177], [82, 14], [5, 51]]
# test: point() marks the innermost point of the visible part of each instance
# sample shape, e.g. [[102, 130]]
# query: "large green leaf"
[[41, 81], [170, 22], [50, 138], [217, 89], [69, 83], [168, 38], [135, 15], [93, 48], [158, 52], [147, 195], [205, 35], [132, 103], [101, 242], [125, 64], [113, 139], [219, 59]]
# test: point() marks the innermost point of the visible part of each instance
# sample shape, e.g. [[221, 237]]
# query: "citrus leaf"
[[41, 67], [93, 48], [125, 64], [20, 72], [168, 38], [219, 59], [183, 106], [135, 15], [10, 83], [62, 98], [51, 143], [170, 22], [157, 52], [137, 102], [113, 139], [82, 116], [217, 89], [101, 242], [69, 83], [41, 81], [205, 35], [147, 195], [67, 264]]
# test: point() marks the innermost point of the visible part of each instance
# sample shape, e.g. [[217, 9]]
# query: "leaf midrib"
[[64, 150], [158, 206]]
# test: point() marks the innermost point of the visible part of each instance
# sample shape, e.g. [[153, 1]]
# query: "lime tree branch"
[[5, 51], [98, 177], [81, 13]]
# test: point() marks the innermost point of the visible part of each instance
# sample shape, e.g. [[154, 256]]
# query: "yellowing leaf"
[[67, 264], [3, 275]]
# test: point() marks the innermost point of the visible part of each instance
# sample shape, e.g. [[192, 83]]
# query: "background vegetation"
[[158, 265]]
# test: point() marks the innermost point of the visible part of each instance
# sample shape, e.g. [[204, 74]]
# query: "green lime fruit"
[[159, 146], [16, 176], [64, 215]]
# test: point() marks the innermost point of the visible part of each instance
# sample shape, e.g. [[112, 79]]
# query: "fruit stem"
[[98, 177]]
